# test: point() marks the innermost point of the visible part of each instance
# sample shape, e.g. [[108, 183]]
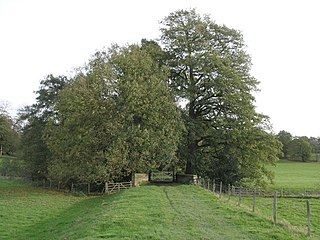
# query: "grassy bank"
[[147, 212]]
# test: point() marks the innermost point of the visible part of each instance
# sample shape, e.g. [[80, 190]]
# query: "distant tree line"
[[299, 148], [184, 102]]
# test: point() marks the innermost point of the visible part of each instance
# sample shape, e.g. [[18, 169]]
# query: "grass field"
[[147, 212], [291, 212], [297, 176]]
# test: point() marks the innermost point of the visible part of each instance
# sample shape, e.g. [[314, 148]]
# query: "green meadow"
[[296, 176], [160, 211], [146, 212]]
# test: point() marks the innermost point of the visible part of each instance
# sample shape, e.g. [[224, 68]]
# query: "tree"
[[299, 149], [315, 144], [35, 118], [119, 117], [210, 72], [285, 138], [9, 138], [151, 118]]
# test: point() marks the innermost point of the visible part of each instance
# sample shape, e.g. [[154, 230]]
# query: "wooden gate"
[[114, 187], [161, 177]]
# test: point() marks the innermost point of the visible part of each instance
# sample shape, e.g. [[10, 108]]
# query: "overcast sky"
[[41, 37]]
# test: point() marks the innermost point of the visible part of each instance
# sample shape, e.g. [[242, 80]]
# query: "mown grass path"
[[147, 212]]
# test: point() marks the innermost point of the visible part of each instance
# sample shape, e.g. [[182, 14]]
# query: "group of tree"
[[183, 103], [299, 148]]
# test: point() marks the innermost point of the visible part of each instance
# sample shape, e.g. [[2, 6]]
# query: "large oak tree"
[[210, 75]]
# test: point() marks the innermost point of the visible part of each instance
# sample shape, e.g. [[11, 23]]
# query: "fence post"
[[213, 187], [308, 213], [240, 189], [220, 190], [275, 208], [229, 192], [254, 200]]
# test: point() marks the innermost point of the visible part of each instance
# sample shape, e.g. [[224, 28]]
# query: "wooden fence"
[[241, 192], [76, 188], [114, 187]]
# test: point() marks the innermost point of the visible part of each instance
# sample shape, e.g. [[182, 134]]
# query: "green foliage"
[[150, 117], [12, 166], [147, 212], [315, 144], [285, 138], [34, 150], [84, 129], [210, 71], [9, 137], [299, 149], [119, 117], [120, 114]]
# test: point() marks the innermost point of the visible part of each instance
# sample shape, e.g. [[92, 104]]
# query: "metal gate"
[[161, 177]]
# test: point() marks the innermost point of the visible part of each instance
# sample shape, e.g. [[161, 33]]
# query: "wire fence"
[[217, 186], [299, 212]]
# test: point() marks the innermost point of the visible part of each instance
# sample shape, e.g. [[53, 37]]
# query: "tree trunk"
[[192, 147], [191, 154], [189, 168]]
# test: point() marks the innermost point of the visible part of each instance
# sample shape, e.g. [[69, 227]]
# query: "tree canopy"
[[185, 102], [35, 117], [9, 137], [210, 72], [298, 148], [119, 117]]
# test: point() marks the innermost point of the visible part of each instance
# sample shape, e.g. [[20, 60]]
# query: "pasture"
[[296, 176], [291, 212], [146, 212]]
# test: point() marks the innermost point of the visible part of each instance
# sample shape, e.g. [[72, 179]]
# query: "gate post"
[[106, 187]]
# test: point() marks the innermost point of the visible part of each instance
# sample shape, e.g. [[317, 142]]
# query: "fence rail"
[[240, 196], [215, 186], [95, 188]]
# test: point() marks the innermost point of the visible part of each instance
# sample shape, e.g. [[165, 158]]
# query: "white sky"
[[41, 37]]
